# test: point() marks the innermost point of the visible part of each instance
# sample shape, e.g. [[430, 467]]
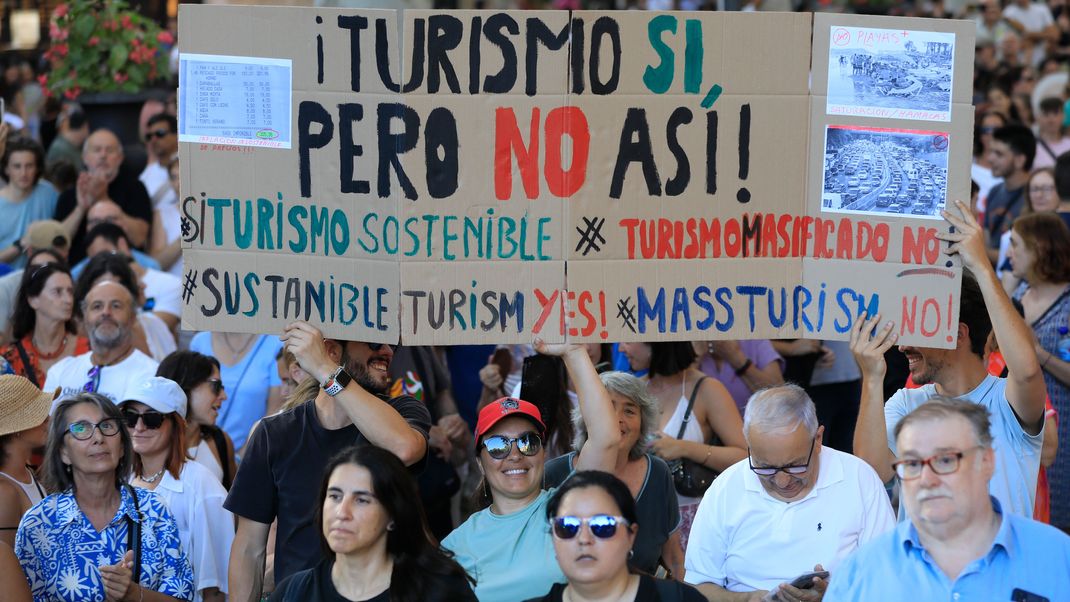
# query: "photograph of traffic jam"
[[896, 75], [885, 172]]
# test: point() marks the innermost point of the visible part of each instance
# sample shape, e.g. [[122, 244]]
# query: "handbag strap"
[[133, 534], [690, 406], [26, 364]]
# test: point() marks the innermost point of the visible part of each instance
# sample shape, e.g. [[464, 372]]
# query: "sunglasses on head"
[[602, 526], [378, 346], [152, 419], [498, 446], [93, 383], [216, 385], [160, 133]]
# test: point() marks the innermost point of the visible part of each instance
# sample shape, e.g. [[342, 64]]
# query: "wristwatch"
[[336, 382]]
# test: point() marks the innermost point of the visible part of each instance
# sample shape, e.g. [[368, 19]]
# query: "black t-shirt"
[[282, 470], [656, 508], [316, 584], [1001, 207], [650, 590], [126, 190]]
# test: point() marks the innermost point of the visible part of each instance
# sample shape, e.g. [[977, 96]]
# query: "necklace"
[[52, 355], [236, 352], [154, 477]]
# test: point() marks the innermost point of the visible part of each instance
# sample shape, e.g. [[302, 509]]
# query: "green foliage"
[[103, 46]]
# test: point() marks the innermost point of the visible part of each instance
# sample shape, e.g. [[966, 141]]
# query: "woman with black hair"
[[43, 330], [699, 419], [594, 524], [198, 376], [376, 543]]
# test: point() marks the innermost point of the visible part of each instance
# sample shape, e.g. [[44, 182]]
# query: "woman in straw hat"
[[23, 427]]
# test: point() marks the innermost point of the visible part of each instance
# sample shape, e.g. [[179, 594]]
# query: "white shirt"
[[171, 219], [72, 373], [158, 183], [744, 539], [202, 454], [205, 528], [165, 289], [1035, 18], [157, 335]]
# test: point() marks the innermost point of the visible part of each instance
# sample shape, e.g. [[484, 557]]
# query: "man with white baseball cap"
[[154, 409], [23, 427]]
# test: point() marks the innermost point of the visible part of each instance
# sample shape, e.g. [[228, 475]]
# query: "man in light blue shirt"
[[958, 544]]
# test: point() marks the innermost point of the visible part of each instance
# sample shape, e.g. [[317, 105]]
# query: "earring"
[[630, 554], [390, 527], [486, 492]]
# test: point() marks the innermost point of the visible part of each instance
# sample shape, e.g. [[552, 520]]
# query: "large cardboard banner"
[[490, 176]]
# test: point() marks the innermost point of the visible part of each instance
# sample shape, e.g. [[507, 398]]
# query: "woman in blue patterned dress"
[[95, 538], [1039, 253]]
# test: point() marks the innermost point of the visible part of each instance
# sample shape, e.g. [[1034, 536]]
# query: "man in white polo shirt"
[[792, 507]]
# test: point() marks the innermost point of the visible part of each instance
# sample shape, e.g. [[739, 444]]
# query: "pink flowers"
[[165, 37], [93, 41], [61, 11], [121, 78]]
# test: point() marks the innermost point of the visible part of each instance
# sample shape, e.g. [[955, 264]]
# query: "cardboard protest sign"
[[452, 177]]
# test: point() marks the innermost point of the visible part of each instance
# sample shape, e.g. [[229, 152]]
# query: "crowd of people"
[[142, 462]]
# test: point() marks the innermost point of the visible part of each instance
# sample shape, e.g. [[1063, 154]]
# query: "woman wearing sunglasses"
[[506, 547], [594, 525], [648, 477], [154, 412], [376, 542], [199, 377], [83, 542]]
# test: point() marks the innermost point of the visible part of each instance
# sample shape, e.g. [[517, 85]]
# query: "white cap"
[[159, 393]]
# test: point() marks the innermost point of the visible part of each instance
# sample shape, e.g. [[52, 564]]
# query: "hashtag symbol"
[[626, 311], [185, 227], [189, 286], [591, 235]]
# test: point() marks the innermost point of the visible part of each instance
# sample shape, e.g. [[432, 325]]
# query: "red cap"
[[498, 409]]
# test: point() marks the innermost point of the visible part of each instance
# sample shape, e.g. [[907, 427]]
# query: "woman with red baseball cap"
[[507, 547]]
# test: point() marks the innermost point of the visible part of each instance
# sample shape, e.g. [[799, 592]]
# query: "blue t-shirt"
[[247, 384], [16, 217], [511, 557], [1025, 555], [1014, 482]]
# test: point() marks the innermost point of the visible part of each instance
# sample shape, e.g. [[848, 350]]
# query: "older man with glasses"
[[958, 543], [792, 508]]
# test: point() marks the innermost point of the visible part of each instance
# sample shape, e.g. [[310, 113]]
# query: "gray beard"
[[98, 342]]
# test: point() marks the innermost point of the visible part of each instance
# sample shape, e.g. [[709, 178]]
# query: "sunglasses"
[[153, 420], [160, 133], [602, 526], [378, 346], [216, 385], [83, 429], [498, 446]]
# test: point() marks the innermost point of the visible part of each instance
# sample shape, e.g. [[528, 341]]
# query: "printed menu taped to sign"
[[243, 101], [465, 177]]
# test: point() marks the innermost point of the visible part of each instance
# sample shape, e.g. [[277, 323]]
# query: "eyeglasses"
[[378, 346], [498, 446], [1041, 189], [153, 420], [94, 379], [602, 526], [160, 133], [988, 129], [942, 463], [768, 471], [216, 385], [83, 429]]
